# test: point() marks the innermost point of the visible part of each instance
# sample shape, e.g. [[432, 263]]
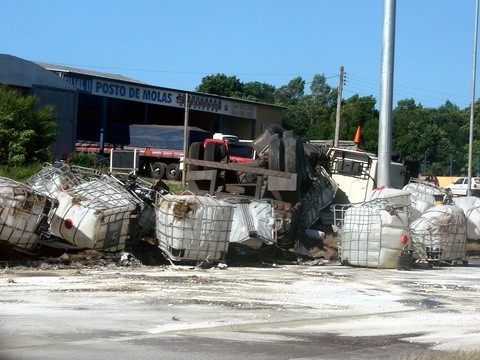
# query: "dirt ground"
[[319, 309]]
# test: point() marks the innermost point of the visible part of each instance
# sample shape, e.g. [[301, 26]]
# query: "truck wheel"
[[295, 161], [195, 152], [294, 155], [173, 172], [215, 152], [275, 129], [276, 155], [157, 170]]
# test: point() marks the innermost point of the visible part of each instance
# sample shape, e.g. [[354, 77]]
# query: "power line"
[[354, 84]]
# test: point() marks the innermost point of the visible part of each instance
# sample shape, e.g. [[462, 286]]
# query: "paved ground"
[[273, 312]]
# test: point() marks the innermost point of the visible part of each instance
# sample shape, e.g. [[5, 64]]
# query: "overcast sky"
[[176, 43]]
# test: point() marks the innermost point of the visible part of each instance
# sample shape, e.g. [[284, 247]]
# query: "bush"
[[89, 160], [26, 130]]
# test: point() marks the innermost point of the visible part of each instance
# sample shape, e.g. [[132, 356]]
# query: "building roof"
[[61, 69], [68, 69]]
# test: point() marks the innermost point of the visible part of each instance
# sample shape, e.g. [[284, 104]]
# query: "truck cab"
[[238, 151], [355, 173]]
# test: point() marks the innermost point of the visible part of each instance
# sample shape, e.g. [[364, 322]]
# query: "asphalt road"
[[273, 312]]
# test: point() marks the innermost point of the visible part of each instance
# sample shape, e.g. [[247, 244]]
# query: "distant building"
[[99, 107]]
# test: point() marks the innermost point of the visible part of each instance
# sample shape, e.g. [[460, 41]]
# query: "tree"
[[422, 133], [322, 92], [360, 111], [222, 85], [261, 92], [290, 93], [26, 130]]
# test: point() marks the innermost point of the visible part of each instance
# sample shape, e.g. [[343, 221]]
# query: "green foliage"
[[89, 160], [257, 91], [418, 133], [290, 93], [433, 134], [26, 130], [222, 85]]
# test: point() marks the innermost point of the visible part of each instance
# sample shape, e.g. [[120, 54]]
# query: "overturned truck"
[[282, 175]]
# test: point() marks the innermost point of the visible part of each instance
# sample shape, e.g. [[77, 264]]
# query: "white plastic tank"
[[191, 228], [371, 233]]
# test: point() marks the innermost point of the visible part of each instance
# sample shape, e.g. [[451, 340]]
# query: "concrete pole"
[[339, 107], [386, 95], [185, 142], [472, 104]]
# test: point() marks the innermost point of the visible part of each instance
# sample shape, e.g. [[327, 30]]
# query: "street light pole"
[[386, 94], [472, 104]]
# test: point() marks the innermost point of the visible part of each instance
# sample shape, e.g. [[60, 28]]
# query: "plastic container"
[[24, 214], [440, 234], [53, 179], [193, 228], [371, 232], [253, 223], [471, 208], [96, 215]]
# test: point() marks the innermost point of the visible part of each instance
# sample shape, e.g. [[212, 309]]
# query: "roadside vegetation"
[[436, 137]]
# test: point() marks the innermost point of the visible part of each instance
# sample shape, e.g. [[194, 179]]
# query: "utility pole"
[[339, 106], [185, 143]]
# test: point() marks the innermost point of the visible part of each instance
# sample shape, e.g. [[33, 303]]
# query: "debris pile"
[[278, 206]]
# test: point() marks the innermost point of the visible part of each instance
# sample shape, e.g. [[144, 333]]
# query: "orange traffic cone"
[[357, 138]]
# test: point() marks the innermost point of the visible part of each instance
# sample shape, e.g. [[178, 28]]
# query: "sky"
[[177, 43]]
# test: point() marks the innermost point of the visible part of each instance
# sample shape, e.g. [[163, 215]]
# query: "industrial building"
[[99, 107]]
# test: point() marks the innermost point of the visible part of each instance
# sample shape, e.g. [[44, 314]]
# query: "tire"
[[195, 152], [157, 170], [275, 129], [215, 152], [294, 155], [276, 155], [173, 172], [295, 161]]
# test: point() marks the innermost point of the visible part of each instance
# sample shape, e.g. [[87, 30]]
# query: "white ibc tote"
[[192, 228], [440, 234], [24, 214], [371, 233], [53, 179], [96, 215]]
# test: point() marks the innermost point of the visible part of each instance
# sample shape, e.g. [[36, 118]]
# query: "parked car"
[[429, 178], [460, 186]]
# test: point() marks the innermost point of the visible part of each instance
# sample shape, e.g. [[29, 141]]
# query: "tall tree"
[[290, 93]]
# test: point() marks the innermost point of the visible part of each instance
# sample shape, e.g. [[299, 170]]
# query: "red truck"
[[161, 147]]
